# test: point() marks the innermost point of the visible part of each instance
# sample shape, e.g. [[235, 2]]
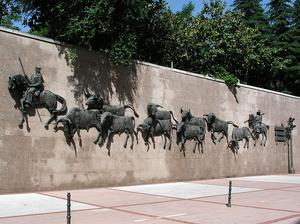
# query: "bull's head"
[[144, 129], [92, 101], [13, 82], [210, 117], [185, 115], [68, 130], [152, 109], [234, 146], [179, 131], [106, 120]]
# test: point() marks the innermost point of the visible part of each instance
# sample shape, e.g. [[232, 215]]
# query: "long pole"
[[68, 208], [22, 66], [291, 170], [229, 194]]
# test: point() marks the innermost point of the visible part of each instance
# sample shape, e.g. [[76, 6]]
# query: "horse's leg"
[[24, 114], [265, 134], [52, 118], [255, 138], [262, 139]]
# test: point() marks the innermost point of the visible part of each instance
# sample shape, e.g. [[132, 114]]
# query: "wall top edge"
[[52, 41], [31, 36], [215, 79]]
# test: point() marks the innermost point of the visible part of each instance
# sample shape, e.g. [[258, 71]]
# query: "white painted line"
[[169, 216], [140, 220]]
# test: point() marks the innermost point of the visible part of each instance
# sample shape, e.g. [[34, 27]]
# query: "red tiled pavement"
[[271, 203]]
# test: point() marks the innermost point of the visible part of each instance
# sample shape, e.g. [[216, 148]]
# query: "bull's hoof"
[[46, 126], [20, 126], [95, 142]]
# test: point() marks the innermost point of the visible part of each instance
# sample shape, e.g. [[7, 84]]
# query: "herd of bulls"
[[111, 119]]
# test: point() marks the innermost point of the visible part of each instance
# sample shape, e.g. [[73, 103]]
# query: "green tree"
[[113, 26], [293, 71], [9, 12], [225, 44], [253, 14], [280, 13]]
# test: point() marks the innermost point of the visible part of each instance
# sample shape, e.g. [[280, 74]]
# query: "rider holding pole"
[[35, 87]]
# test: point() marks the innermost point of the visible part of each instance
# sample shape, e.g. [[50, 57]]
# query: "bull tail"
[[173, 117], [63, 102], [132, 108], [234, 125]]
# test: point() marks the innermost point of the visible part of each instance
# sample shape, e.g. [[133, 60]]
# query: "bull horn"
[[87, 93], [205, 115], [64, 118], [159, 106], [189, 110], [181, 109], [68, 120]]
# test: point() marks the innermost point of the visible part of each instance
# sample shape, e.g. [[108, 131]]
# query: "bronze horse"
[[17, 86], [258, 129]]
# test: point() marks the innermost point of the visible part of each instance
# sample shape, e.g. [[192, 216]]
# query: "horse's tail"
[[230, 122], [132, 108], [63, 108]]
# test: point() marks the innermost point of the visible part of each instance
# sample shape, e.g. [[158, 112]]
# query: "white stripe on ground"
[[32, 203]]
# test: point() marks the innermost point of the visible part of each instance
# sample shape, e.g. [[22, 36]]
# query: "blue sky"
[[176, 5]]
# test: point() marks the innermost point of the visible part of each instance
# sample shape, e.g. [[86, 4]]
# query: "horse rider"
[[35, 87], [257, 121]]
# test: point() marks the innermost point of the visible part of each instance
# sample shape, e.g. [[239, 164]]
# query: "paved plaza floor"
[[255, 199]]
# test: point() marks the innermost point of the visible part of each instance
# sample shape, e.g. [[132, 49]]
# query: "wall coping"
[[51, 41]]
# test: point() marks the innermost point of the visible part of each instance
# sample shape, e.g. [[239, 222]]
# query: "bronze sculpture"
[[215, 124], [258, 128], [31, 94]]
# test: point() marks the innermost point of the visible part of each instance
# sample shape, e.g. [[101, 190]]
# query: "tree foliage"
[[243, 44], [253, 14], [9, 12]]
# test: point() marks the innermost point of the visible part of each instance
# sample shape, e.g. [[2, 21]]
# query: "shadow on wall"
[[94, 71]]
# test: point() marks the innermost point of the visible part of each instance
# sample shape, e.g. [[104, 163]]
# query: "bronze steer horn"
[[87, 93]]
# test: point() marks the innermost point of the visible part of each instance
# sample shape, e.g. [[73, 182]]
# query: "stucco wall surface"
[[39, 159]]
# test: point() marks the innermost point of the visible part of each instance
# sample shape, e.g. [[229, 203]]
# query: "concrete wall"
[[40, 159]]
